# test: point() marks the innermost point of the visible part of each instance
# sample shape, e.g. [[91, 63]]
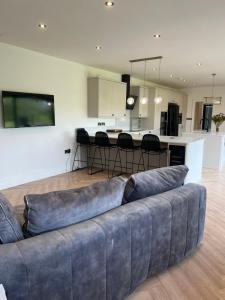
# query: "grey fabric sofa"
[[108, 256]]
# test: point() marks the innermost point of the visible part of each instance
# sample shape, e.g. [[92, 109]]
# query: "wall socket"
[[67, 151], [101, 123]]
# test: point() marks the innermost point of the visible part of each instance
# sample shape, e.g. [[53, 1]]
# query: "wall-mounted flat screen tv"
[[27, 110]]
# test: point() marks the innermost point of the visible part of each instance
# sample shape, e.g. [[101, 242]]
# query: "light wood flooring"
[[201, 277]]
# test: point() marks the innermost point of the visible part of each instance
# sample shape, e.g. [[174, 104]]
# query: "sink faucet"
[[206, 126]]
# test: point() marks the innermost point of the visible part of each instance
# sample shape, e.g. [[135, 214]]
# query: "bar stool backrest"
[[125, 141], [83, 136], [150, 142], [101, 139]]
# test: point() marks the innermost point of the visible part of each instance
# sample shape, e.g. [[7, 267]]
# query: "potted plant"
[[218, 120]]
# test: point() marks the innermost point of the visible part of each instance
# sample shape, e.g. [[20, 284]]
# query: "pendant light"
[[212, 99], [158, 99], [144, 99], [130, 100]]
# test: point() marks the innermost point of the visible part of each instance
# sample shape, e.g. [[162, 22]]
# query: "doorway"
[[203, 116]]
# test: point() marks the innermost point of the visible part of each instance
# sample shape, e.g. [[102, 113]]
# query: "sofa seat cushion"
[[152, 182], [59, 209], [10, 229]]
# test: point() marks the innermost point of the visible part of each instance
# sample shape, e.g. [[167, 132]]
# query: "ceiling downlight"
[[42, 26], [109, 3]]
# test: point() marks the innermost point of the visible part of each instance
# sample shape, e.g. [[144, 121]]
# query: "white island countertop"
[[204, 133], [171, 140]]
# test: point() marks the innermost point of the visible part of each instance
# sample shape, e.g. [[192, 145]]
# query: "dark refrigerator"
[[163, 123], [173, 119], [207, 117]]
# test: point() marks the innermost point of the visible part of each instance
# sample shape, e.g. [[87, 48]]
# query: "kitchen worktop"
[[178, 140], [204, 133]]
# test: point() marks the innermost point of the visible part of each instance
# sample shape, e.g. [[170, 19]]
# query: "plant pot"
[[217, 128]]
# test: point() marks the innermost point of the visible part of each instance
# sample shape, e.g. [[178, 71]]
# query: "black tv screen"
[[27, 110]]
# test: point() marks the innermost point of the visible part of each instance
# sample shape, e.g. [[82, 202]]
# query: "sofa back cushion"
[[59, 209], [10, 229], [152, 182]]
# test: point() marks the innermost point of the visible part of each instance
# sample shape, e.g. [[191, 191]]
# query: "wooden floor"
[[200, 277]]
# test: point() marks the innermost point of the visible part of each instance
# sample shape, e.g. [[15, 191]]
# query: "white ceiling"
[[191, 31]]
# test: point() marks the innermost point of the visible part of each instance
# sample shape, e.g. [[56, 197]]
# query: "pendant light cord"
[[159, 76], [213, 84], [160, 61], [145, 70], [131, 69]]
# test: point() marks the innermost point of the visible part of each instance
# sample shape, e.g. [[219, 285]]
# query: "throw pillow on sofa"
[[59, 209], [152, 182], [10, 229]]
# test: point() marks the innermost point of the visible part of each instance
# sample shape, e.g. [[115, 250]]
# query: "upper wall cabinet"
[[140, 109], [106, 98]]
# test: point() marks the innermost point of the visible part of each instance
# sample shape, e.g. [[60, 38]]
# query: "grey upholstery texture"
[[107, 257], [152, 182], [10, 229], [59, 209]]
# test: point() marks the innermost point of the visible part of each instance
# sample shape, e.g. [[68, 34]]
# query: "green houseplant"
[[218, 120]]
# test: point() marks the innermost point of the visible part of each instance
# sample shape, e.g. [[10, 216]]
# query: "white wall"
[[198, 94], [28, 154]]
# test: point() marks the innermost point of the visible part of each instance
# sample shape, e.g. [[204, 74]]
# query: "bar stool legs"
[[78, 159], [74, 160], [141, 162], [141, 159], [116, 165], [129, 165], [95, 161], [103, 160]]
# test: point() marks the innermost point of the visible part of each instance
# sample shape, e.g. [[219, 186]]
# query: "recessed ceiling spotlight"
[[109, 3], [154, 69], [157, 36], [171, 75], [42, 26], [199, 64], [98, 48], [184, 80]]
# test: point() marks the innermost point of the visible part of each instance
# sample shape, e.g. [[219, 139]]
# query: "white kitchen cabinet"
[[140, 109], [106, 98]]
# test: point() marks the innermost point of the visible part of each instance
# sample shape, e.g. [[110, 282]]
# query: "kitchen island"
[[186, 150], [214, 149]]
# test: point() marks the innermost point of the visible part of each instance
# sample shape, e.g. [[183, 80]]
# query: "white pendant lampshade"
[[158, 100], [144, 100], [130, 101]]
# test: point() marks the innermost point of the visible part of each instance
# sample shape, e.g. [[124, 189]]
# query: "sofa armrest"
[[54, 265], [178, 218]]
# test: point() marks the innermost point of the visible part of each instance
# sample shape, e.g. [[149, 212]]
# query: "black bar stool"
[[83, 141], [102, 146], [125, 145], [150, 145]]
